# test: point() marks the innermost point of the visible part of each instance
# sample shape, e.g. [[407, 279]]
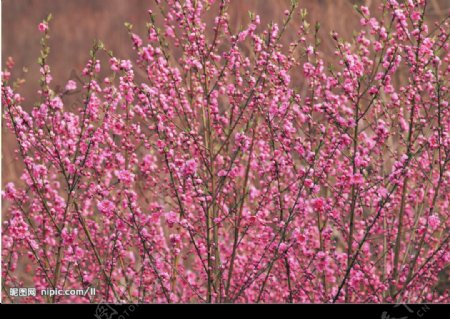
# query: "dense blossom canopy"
[[214, 177]]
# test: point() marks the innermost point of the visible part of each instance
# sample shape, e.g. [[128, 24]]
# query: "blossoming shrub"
[[218, 179]]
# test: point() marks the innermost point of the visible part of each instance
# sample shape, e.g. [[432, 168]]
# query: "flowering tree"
[[218, 179]]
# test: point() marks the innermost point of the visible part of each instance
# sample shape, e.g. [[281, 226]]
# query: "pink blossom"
[[171, 218], [10, 191], [71, 85], [434, 222], [190, 167], [56, 103], [106, 207], [125, 176], [136, 40], [318, 204], [43, 26]]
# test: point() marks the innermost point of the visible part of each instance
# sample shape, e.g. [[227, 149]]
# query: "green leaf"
[[317, 26], [128, 25], [303, 13]]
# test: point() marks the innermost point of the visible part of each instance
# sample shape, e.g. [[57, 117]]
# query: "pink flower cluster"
[[215, 177]]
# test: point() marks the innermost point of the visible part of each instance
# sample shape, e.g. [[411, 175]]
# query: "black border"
[[129, 311]]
